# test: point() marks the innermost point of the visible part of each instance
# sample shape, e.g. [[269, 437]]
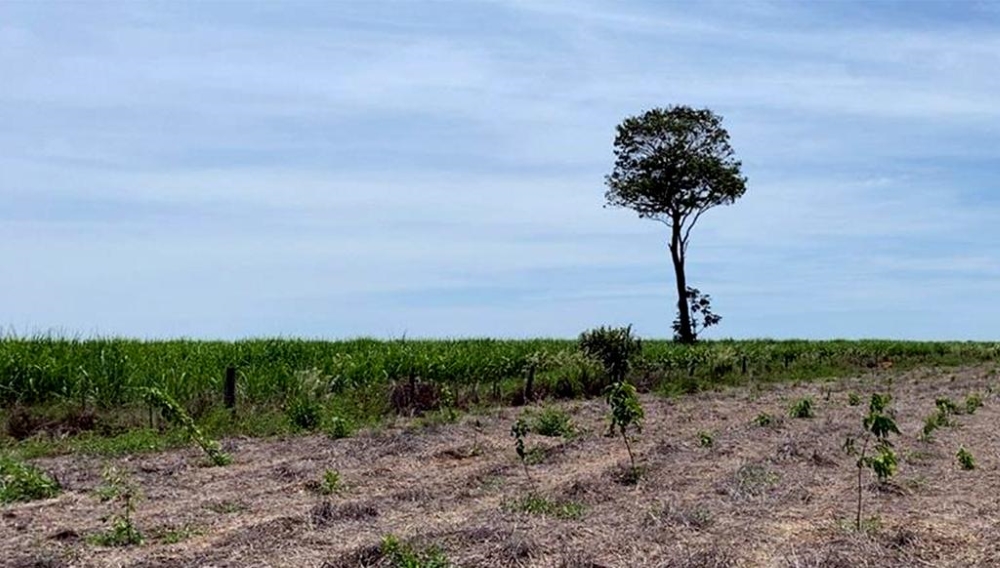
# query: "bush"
[[614, 348], [24, 482]]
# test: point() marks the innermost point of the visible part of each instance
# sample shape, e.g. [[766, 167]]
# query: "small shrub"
[[553, 422], [402, 555], [972, 403], [705, 439], [853, 399], [119, 490], [763, 419], [614, 348], [802, 408], [965, 459], [20, 482]]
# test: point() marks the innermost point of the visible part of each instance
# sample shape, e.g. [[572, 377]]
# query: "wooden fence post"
[[230, 392]]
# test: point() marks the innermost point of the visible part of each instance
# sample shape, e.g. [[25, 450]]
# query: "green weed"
[[802, 408], [339, 428], [973, 402], [705, 439], [538, 505], [965, 459], [21, 482], [402, 555], [122, 493]]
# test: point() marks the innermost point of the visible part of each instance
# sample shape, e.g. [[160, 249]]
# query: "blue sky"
[[336, 169]]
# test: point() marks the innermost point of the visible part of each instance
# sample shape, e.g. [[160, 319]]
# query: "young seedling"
[[705, 439], [518, 431], [119, 489], [878, 424], [965, 459], [763, 419], [330, 483], [853, 399], [626, 412]]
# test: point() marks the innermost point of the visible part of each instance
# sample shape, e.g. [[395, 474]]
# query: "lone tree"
[[671, 165]]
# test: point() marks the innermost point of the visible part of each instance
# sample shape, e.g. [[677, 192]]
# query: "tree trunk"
[[685, 334]]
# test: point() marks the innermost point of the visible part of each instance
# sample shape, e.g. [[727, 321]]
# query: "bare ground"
[[781, 495]]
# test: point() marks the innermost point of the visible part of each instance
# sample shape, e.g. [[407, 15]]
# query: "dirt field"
[[778, 495]]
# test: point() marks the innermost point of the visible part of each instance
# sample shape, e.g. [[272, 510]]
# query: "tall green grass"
[[107, 373]]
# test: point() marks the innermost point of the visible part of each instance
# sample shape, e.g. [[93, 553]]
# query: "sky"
[[436, 169]]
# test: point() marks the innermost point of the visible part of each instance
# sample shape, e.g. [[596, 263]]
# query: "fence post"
[[230, 389], [529, 385]]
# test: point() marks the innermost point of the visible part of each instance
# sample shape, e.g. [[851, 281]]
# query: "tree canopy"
[[673, 164]]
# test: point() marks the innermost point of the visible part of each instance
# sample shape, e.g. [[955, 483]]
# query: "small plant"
[[119, 490], [175, 414], [553, 422], [449, 412], [946, 406], [626, 412], [331, 482], [941, 417], [339, 428], [853, 399], [965, 459], [23, 482], [401, 555], [705, 439], [878, 424], [763, 419], [972, 403], [518, 431], [802, 408]]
